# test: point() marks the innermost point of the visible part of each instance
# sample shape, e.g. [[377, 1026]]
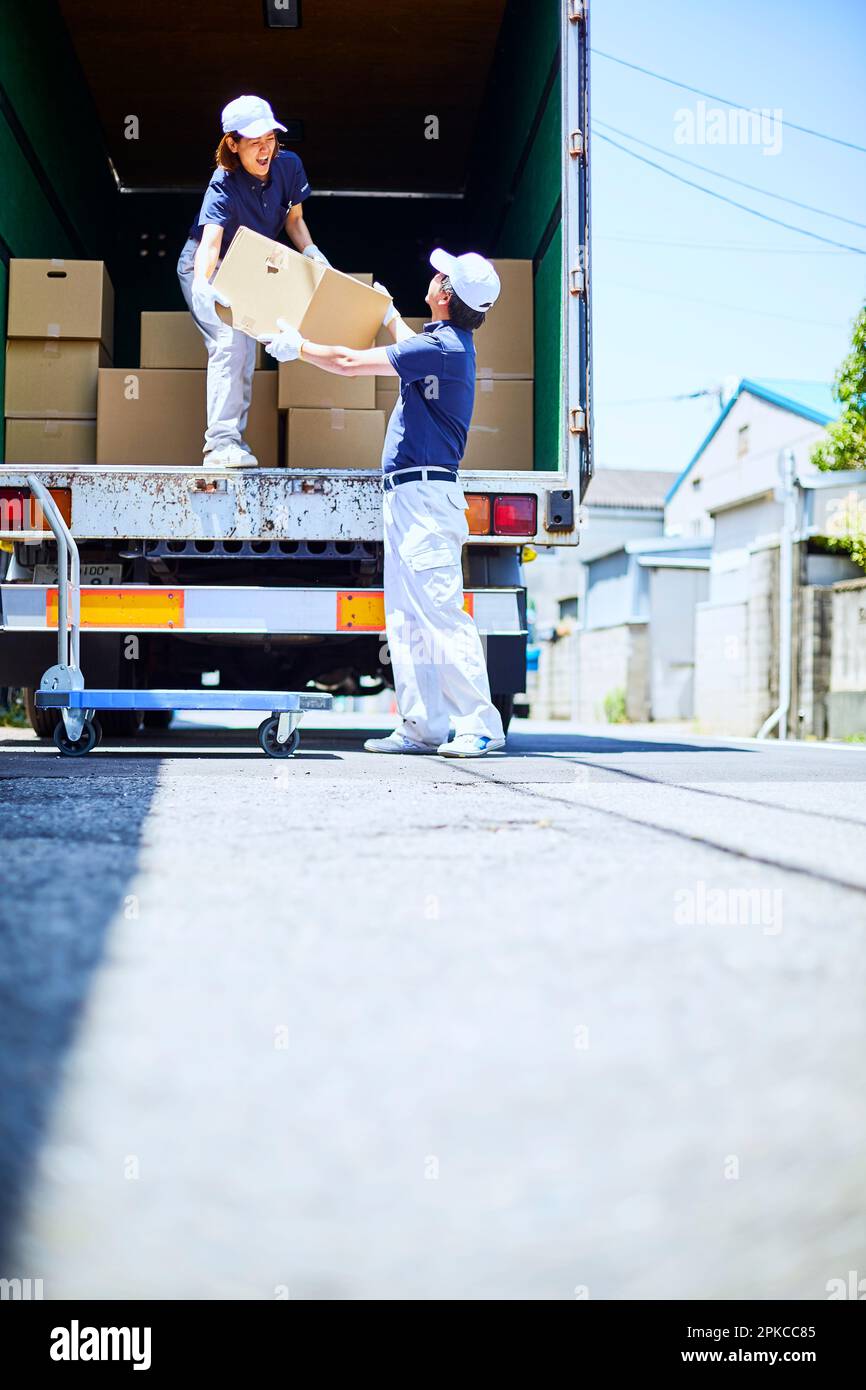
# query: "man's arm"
[[343, 361]]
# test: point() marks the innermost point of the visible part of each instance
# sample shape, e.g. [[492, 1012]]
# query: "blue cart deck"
[[277, 701]]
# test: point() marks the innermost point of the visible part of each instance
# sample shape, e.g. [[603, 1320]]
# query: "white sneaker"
[[470, 746], [398, 743], [229, 456]]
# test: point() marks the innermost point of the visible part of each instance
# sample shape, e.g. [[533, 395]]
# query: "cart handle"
[[68, 644]]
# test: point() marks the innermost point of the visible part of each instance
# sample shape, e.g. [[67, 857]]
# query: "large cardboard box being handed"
[[266, 281]]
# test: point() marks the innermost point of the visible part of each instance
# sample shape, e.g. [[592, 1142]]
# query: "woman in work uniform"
[[255, 185]]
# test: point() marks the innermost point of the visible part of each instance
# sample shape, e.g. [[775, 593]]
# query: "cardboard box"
[[384, 339], [61, 299], [59, 442], [501, 432], [173, 341], [158, 416], [387, 391], [266, 281], [335, 439], [301, 384], [52, 377], [504, 347]]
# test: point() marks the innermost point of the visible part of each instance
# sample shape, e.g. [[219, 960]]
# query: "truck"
[[465, 127]]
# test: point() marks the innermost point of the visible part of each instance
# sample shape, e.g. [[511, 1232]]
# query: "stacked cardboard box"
[[61, 332], [501, 433], [173, 342], [157, 416]]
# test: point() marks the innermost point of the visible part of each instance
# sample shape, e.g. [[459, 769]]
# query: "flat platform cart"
[[62, 687]]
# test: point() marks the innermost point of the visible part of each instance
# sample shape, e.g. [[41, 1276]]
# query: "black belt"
[[418, 475]]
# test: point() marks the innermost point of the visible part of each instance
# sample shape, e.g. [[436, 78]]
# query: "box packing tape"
[[338, 418], [52, 330]]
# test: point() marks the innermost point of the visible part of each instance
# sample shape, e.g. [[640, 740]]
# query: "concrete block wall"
[[736, 653], [610, 659], [846, 701], [815, 628], [555, 690]]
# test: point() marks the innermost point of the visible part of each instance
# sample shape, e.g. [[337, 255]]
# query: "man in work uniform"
[[440, 675]]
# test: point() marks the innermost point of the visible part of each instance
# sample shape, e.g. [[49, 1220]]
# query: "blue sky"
[[686, 290]]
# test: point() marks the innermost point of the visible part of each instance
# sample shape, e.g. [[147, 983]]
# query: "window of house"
[[567, 608], [742, 441]]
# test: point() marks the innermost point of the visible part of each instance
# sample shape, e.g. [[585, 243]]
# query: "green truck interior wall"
[[59, 197]]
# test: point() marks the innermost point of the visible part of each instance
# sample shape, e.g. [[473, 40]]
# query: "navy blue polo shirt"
[[430, 422], [234, 198]]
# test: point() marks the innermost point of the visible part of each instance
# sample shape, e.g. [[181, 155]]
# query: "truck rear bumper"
[[235, 610]]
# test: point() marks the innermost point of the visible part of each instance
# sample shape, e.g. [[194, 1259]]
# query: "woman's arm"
[[296, 228], [343, 361], [208, 251]]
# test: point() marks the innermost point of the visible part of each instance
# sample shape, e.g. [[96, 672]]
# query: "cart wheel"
[[268, 740], [76, 748]]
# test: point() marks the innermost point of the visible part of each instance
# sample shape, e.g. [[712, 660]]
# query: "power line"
[[717, 304], [722, 246], [741, 183], [711, 192], [698, 91], [664, 400]]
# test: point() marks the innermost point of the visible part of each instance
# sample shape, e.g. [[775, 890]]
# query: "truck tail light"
[[19, 510], [515, 515], [478, 513]]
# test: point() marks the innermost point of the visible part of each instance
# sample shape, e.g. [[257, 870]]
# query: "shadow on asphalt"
[[66, 865], [199, 740]]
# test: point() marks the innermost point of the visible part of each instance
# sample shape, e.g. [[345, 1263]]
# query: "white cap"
[[249, 116], [472, 277]]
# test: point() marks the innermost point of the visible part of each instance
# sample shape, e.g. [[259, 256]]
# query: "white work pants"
[[231, 361], [440, 673]]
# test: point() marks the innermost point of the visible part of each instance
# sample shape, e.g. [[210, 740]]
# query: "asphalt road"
[[585, 1018]]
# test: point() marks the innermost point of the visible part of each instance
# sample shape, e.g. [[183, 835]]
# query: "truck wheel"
[[158, 718], [505, 705], [43, 722], [121, 723]]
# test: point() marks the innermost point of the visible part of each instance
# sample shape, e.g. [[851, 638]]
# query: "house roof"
[[811, 400], [644, 547], [640, 488]]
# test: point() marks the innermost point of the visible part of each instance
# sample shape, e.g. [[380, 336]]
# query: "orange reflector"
[[126, 608], [360, 612], [478, 513], [364, 611]]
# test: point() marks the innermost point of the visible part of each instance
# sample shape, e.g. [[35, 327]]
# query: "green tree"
[[845, 443]]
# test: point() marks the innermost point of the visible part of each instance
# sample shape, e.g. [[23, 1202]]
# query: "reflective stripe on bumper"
[[226, 609]]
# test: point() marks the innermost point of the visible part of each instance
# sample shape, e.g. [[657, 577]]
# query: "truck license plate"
[[90, 574]]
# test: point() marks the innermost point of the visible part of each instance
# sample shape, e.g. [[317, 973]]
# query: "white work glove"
[[205, 297], [314, 254], [286, 345], [391, 312]]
